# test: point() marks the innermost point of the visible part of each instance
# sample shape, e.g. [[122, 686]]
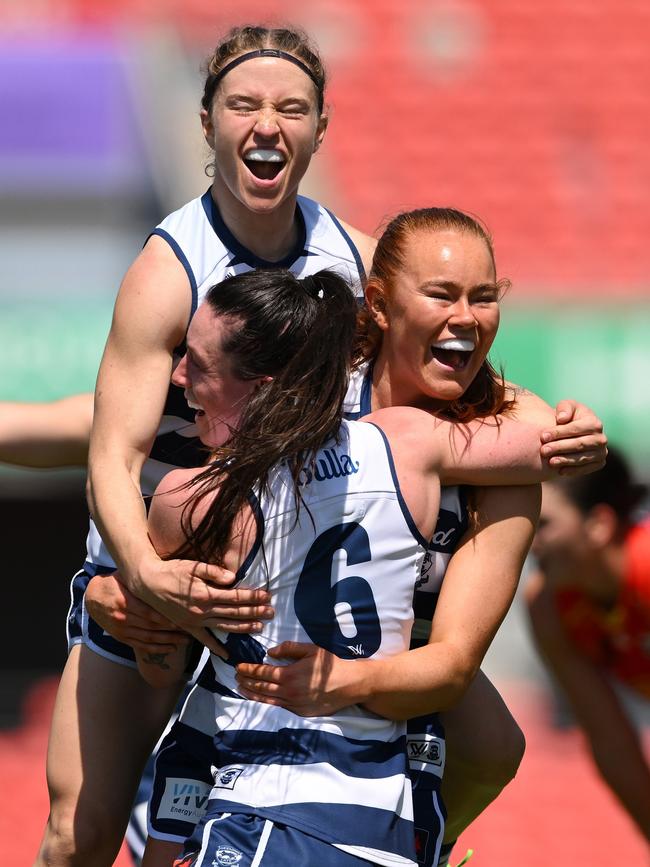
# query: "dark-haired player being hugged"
[[589, 606], [333, 518]]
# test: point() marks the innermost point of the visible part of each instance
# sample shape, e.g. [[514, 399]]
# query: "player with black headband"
[[263, 115], [264, 118]]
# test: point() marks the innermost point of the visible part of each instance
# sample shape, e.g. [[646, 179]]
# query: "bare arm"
[[614, 743], [572, 437], [488, 451], [162, 667], [53, 434], [477, 591], [150, 319]]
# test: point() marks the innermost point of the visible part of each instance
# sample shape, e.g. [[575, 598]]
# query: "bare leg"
[[159, 853], [106, 721], [484, 749]]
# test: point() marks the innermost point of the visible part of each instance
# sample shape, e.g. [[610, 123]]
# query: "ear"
[[376, 303], [207, 126], [323, 122], [602, 525]]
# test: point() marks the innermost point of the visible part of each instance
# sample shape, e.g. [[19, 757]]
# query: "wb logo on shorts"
[[227, 778], [426, 753]]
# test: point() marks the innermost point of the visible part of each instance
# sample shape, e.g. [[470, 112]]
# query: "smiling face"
[[206, 374], [264, 127], [438, 319]]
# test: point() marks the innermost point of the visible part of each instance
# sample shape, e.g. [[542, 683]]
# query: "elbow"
[[458, 680]]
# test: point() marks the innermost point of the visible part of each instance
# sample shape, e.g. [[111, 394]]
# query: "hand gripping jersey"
[[616, 638], [341, 573], [209, 253]]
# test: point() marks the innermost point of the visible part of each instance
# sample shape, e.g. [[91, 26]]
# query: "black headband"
[[266, 52]]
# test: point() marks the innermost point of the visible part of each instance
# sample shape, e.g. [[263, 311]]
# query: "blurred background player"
[[589, 607]]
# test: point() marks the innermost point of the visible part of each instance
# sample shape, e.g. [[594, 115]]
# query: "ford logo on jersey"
[[330, 466]]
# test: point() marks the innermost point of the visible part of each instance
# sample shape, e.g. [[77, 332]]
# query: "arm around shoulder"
[[477, 591]]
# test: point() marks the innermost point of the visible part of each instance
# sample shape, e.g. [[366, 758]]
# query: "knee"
[[73, 841], [493, 759], [506, 761]]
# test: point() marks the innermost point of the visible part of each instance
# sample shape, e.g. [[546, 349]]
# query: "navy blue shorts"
[[82, 629], [425, 743], [225, 839], [179, 794]]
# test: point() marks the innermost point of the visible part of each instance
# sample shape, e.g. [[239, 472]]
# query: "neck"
[[269, 235], [388, 390]]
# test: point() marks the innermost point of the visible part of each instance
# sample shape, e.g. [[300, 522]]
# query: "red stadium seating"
[[535, 116]]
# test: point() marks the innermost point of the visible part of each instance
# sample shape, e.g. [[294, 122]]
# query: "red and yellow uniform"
[[617, 637]]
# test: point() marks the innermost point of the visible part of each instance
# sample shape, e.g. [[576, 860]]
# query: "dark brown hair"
[[486, 394], [300, 333], [240, 40], [613, 485]]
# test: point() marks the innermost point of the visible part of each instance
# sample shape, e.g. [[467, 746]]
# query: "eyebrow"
[[193, 354], [247, 97], [449, 284]]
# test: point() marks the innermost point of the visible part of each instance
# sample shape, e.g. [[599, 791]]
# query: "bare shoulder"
[[528, 406], [166, 511], [402, 420], [411, 433], [155, 295], [365, 244]]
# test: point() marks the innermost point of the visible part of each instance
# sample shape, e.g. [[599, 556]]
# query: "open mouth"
[[264, 163], [199, 412], [454, 354]]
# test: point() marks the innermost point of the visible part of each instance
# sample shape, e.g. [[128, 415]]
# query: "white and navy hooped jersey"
[[341, 573], [452, 518], [209, 253]]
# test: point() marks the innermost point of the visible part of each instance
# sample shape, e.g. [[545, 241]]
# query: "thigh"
[[106, 720], [159, 853], [481, 733]]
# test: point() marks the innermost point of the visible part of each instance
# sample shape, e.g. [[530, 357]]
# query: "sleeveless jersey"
[[452, 518], [616, 638], [341, 572], [209, 253]]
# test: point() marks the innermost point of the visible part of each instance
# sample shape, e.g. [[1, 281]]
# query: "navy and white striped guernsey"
[[209, 252], [452, 518], [341, 572]]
